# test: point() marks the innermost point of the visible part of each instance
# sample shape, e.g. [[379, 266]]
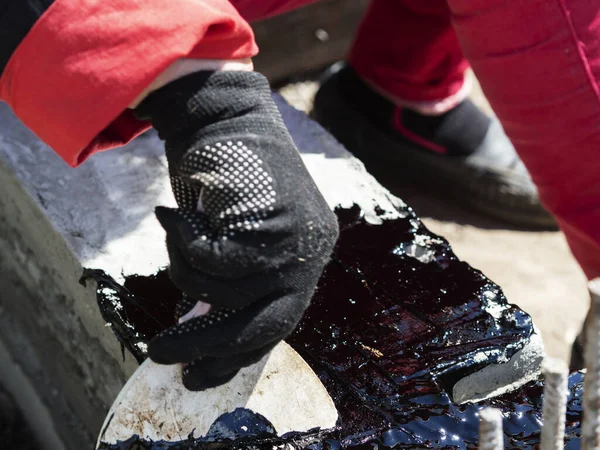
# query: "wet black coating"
[[240, 429], [396, 320], [437, 423]]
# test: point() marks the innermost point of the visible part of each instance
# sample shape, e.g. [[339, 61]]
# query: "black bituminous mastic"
[[396, 320]]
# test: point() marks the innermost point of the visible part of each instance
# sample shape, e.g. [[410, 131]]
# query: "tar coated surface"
[[396, 320]]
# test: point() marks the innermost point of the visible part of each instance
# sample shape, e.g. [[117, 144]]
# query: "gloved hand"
[[252, 233]]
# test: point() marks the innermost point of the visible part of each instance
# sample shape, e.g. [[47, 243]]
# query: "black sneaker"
[[463, 153]]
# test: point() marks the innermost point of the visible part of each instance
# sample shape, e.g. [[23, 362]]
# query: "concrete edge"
[[28, 400], [499, 379]]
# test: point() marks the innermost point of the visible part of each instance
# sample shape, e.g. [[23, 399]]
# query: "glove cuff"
[[204, 98]]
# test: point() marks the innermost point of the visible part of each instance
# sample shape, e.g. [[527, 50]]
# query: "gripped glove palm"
[[251, 234]]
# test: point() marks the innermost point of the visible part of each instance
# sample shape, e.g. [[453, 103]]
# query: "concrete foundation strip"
[[55, 221]]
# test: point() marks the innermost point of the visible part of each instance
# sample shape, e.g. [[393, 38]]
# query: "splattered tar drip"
[[396, 320]]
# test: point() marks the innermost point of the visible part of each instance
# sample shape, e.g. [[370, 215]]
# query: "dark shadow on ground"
[[14, 432]]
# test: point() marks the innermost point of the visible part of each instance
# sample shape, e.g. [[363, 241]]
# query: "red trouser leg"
[[538, 62], [409, 49]]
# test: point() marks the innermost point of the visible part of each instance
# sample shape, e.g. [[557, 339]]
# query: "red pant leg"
[[409, 49], [539, 65]]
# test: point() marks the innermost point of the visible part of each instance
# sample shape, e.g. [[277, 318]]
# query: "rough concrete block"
[[55, 221], [49, 323]]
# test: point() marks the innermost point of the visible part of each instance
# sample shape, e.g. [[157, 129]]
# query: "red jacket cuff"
[[73, 76]]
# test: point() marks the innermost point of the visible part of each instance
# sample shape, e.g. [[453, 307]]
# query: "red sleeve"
[[84, 61]]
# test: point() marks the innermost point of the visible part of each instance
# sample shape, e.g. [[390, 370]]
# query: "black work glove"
[[252, 233]]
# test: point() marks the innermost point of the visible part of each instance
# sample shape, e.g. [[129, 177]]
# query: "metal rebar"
[[491, 436], [556, 376], [590, 439]]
